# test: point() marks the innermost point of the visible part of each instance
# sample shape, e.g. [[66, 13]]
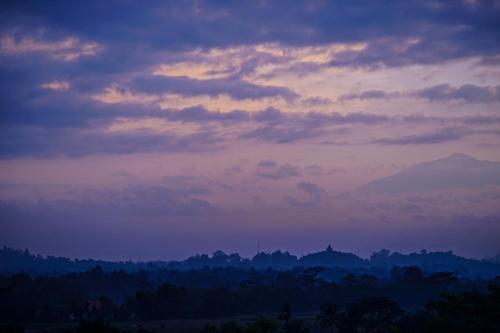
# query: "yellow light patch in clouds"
[[261, 64], [154, 125], [56, 85], [113, 94], [222, 103], [193, 70], [266, 58], [310, 54], [303, 70], [68, 49]]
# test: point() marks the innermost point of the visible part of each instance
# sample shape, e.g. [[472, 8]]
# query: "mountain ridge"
[[455, 171]]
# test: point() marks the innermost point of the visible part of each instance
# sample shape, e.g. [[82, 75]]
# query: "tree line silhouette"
[[12, 261]]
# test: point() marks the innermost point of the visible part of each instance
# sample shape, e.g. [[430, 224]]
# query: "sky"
[[161, 129]]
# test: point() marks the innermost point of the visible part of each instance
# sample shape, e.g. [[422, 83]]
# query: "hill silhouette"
[[12, 261]]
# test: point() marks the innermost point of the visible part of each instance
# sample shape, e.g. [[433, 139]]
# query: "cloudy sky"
[[157, 130]]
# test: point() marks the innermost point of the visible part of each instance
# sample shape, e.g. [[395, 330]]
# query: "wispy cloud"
[[469, 93], [68, 49], [442, 135], [315, 195]]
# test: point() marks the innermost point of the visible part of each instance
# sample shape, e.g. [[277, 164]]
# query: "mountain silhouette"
[[455, 171]]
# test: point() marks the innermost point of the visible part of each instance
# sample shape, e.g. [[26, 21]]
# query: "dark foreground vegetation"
[[463, 312], [407, 300]]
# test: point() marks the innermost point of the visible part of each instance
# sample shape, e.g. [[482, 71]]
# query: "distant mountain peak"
[[457, 170], [460, 157], [457, 159]]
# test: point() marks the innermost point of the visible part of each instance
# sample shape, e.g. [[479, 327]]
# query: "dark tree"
[[97, 326], [370, 315], [262, 325], [210, 328], [467, 312], [230, 327], [296, 326], [285, 314], [328, 317]]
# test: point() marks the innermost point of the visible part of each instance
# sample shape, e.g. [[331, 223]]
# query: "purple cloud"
[[235, 88], [443, 135], [469, 93], [316, 195], [268, 169]]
